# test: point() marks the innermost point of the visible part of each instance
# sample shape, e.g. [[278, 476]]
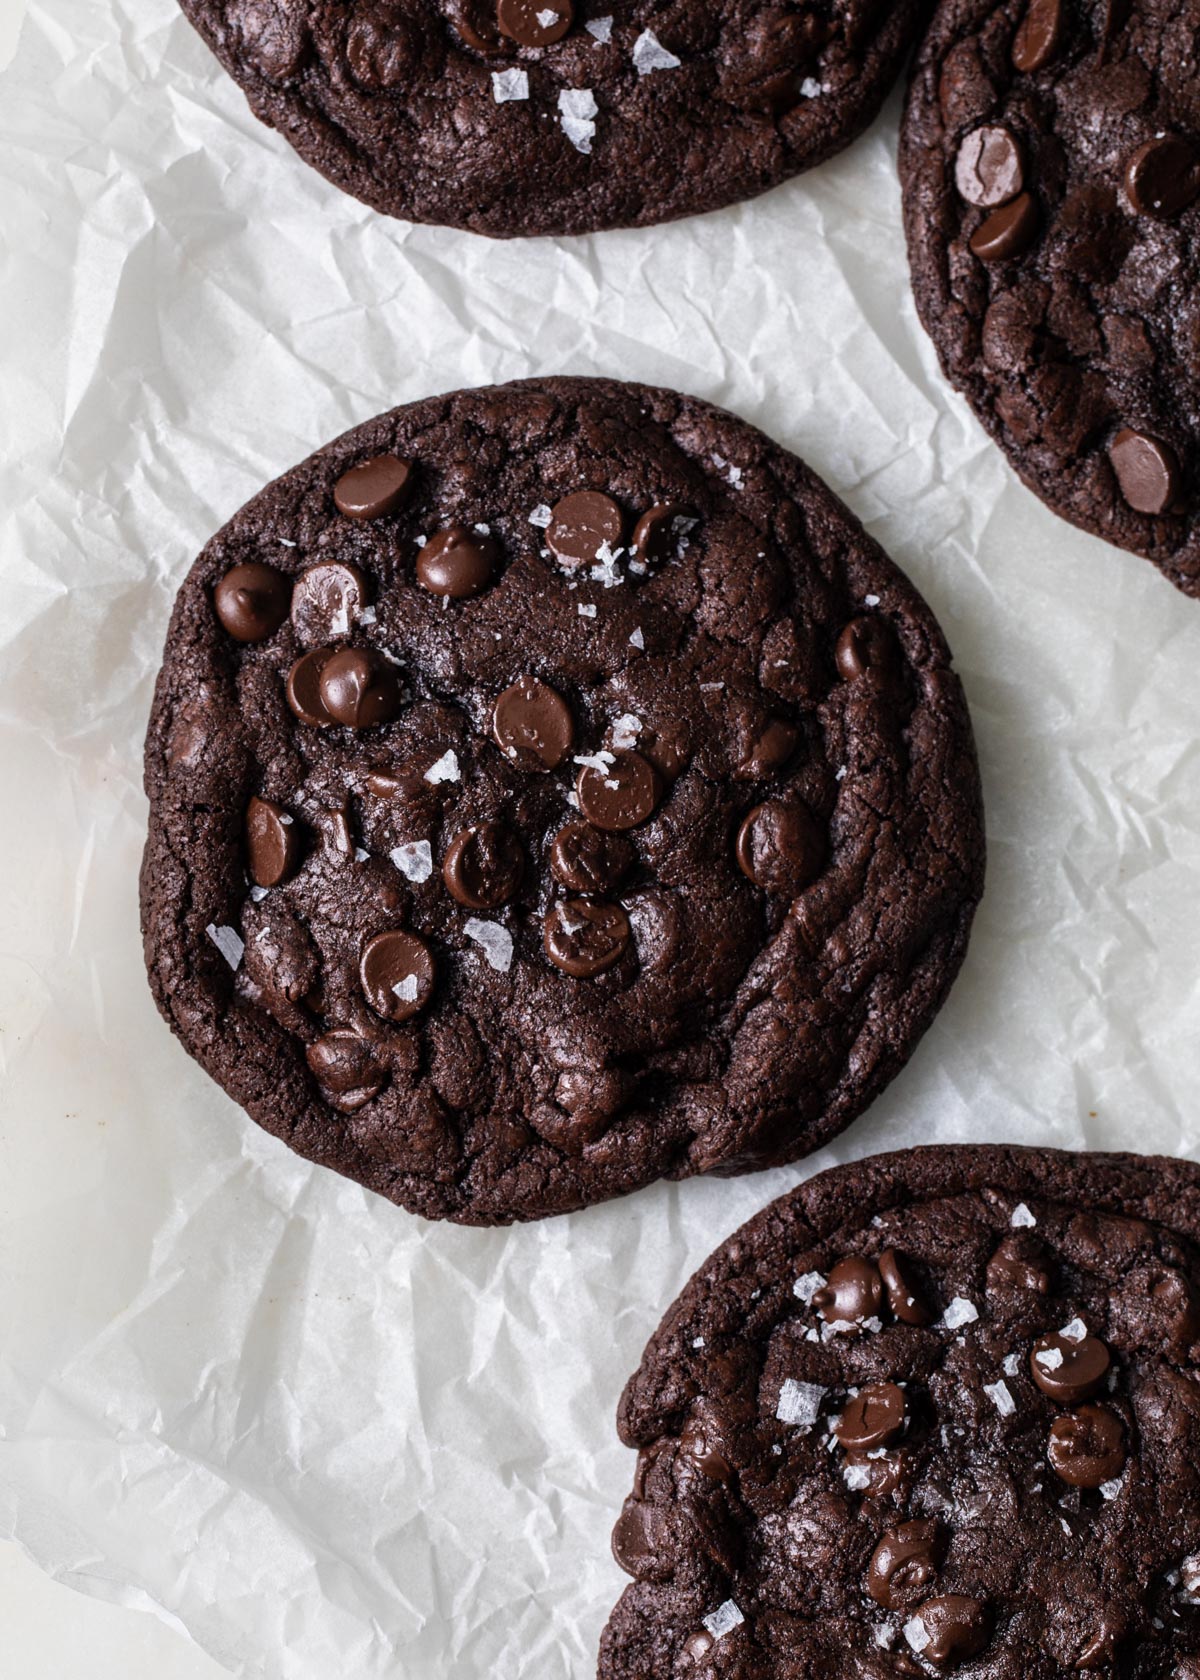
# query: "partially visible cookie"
[[935, 1411], [552, 788], [560, 116], [1050, 159]]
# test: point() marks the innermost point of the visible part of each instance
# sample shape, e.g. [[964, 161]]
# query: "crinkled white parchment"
[[325, 1437]]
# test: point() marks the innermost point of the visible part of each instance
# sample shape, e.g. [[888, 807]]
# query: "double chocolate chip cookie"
[[560, 116], [552, 788], [1051, 168], [931, 1412]]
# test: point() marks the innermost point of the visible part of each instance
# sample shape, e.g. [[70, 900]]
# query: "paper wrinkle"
[[317, 1434]]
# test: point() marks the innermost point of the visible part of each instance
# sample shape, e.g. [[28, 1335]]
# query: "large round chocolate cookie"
[[934, 1411], [1051, 167], [560, 116], [552, 789]]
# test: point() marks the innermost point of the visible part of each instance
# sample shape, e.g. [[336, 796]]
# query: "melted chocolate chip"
[[375, 488], [781, 848], [535, 23], [990, 168], [853, 1291], [874, 1417], [658, 533], [1018, 1263], [867, 647], [636, 1537], [1163, 176], [326, 601], [702, 1441], [622, 794], [902, 1291], [774, 745], [359, 688], [397, 974], [1087, 1447], [1067, 1369], [532, 725], [251, 601], [580, 524], [1040, 35], [1147, 471], [344, 1064], [483, 866], [273, 844], [304, 688], [1007, 231], [458, 562], [588, 860], [957, 1627], [584, 937], [905, 1563]]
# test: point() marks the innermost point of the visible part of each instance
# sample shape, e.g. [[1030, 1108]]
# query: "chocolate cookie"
[[552, 789], [560, 116], [1051, 167], [933, 1411]]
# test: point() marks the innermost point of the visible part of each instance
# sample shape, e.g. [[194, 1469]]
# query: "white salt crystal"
[[406, 989], [637, 640], [577, 109], [229, 942], [509, 84], [601, 28], [1075, 1331], [650, 54], [959, 1312], [917, 1634], [806, 1286], [414, 859], [445, 770], [724, 1619], [541, 516], [587, 609], [626, 731], [494, 941], [998, 1393], [799, 1402], [1022, 1219], [258, 894]]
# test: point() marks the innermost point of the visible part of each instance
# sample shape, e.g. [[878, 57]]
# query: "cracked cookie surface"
[[553, 789], [507, 118], [933, 1412], [1050, 158]]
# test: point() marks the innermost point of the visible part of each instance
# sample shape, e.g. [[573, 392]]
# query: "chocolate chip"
[[874, 1417], [1176, 1306], [483, 866], [580, 524], [585, 936], [880, 1473], [957, 1627], [1018, 1264], [344, 1063], [1069, 1369], [374, 488], [532, 725], [637, 1536], [657, 534], [622, 794], [902, 1291], [1087, 1447], [397, 974], [774, 745], [990, 168], [1007, 231], [326, 601], [360, 688], [853, 1291], [475, 21], [458, 562], [251, 601], [1163, 176], [905, 1563], [587, 860], [1040, 35], [866, 647], [1147, 471], [702, 1441], [781, 848], [304, 688], [273, 844], [535, 23]]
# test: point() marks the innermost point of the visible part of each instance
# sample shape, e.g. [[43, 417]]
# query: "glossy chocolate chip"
[[1147, 471], [475, 21], [659, 532], [375, 488], [532, 725], [251, 601], [304, 688], [622, 794], [636, 1537], [344, 1063], [580, 525], [483, 866], [588, 860], [397, 974], [360, 688], [874, 1417], [1007, 231], [905, 1564], [990, 168], [534, 23], [1176, 1306], [774, 745], [458, 562], [1069, 1368], [866, 647], [1018, 1264], [880, 1473], [584, 937], [703, 1442], [781, 847], [326, 601], [853, 1291], [1163, 176], [273, 843], [903, 1294], [1040, 35], [1087, 1447], [956, 1627]]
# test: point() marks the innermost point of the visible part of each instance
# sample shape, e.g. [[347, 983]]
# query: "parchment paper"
[[327, 1438]]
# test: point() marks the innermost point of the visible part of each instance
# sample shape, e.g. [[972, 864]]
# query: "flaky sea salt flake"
[[1000, 1396], [601, 30], [494, 940], [1075, 1331], [577, 110], [650, 54], [799, 1403], [541, 516], [1022, 1219], [414, 859], [806, 1286], [626, 730], [509, 84], [445, 770], [229, 942], [959, 1312], [723, 1619], [917, 1634]]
